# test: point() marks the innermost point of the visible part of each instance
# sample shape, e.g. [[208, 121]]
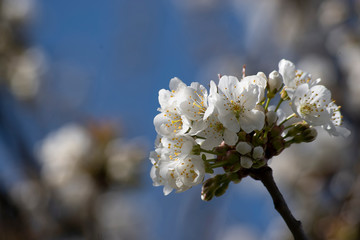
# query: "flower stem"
[[265, 175], [218, 164], [278, 105], [211, 152], [287, 119], [267, 103]]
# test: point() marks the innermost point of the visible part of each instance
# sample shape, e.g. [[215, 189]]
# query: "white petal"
[[251, 96], [243, 147], [176, 84], [230, 137], [252, 120], [287, 70], [230, 122], [258, 152], [246, 162]]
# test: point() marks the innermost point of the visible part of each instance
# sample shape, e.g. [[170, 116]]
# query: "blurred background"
[[78, 92]]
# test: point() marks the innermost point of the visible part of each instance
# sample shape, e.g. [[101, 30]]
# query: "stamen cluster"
[[233, 126]]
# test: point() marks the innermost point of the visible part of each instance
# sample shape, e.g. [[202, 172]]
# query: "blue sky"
[[108, 60]]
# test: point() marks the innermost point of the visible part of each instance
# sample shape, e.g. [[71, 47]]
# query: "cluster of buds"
[[234, 127]]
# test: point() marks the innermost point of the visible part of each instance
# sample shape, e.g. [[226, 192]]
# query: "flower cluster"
[[233, 126]]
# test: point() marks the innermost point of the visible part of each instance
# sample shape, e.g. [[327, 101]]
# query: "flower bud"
[[243, 148], [310, 135], [262, 75], [246, 162], [275, 81], [271, 118], [232, 157], [275, 147], [258, 152], [298, 128], [222, 189]]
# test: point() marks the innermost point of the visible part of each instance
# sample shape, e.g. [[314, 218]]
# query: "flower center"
[[306, 109], [236, 108]]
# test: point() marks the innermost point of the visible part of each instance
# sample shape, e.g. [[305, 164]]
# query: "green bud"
[[310, 135], [222, 189], [275, 147], [298, 128], [275, 132]]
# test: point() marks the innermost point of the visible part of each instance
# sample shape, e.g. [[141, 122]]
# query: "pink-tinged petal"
[[230, 137], [252, 120]]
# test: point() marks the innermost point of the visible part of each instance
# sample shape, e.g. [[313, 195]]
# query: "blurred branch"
[[265, 175]]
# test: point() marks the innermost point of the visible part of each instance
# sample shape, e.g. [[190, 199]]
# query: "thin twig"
[[265, 175]]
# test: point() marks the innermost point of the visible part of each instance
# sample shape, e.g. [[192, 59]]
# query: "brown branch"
[[265, 175]]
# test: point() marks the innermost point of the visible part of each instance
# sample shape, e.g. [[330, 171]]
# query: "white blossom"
[[216, 133], [312, 104], [236, 105], [293, 78]]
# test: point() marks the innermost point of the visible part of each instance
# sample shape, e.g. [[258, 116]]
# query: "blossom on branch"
[[233, 126]]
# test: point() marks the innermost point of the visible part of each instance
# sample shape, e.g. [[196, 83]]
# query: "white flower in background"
[[236, 105], [293, 78], [124, 159], [62, 151]]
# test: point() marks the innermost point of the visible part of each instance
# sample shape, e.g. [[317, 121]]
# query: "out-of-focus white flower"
[[123, 160], [17, 10], [62, 151], [26, 71], [118, 216]]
